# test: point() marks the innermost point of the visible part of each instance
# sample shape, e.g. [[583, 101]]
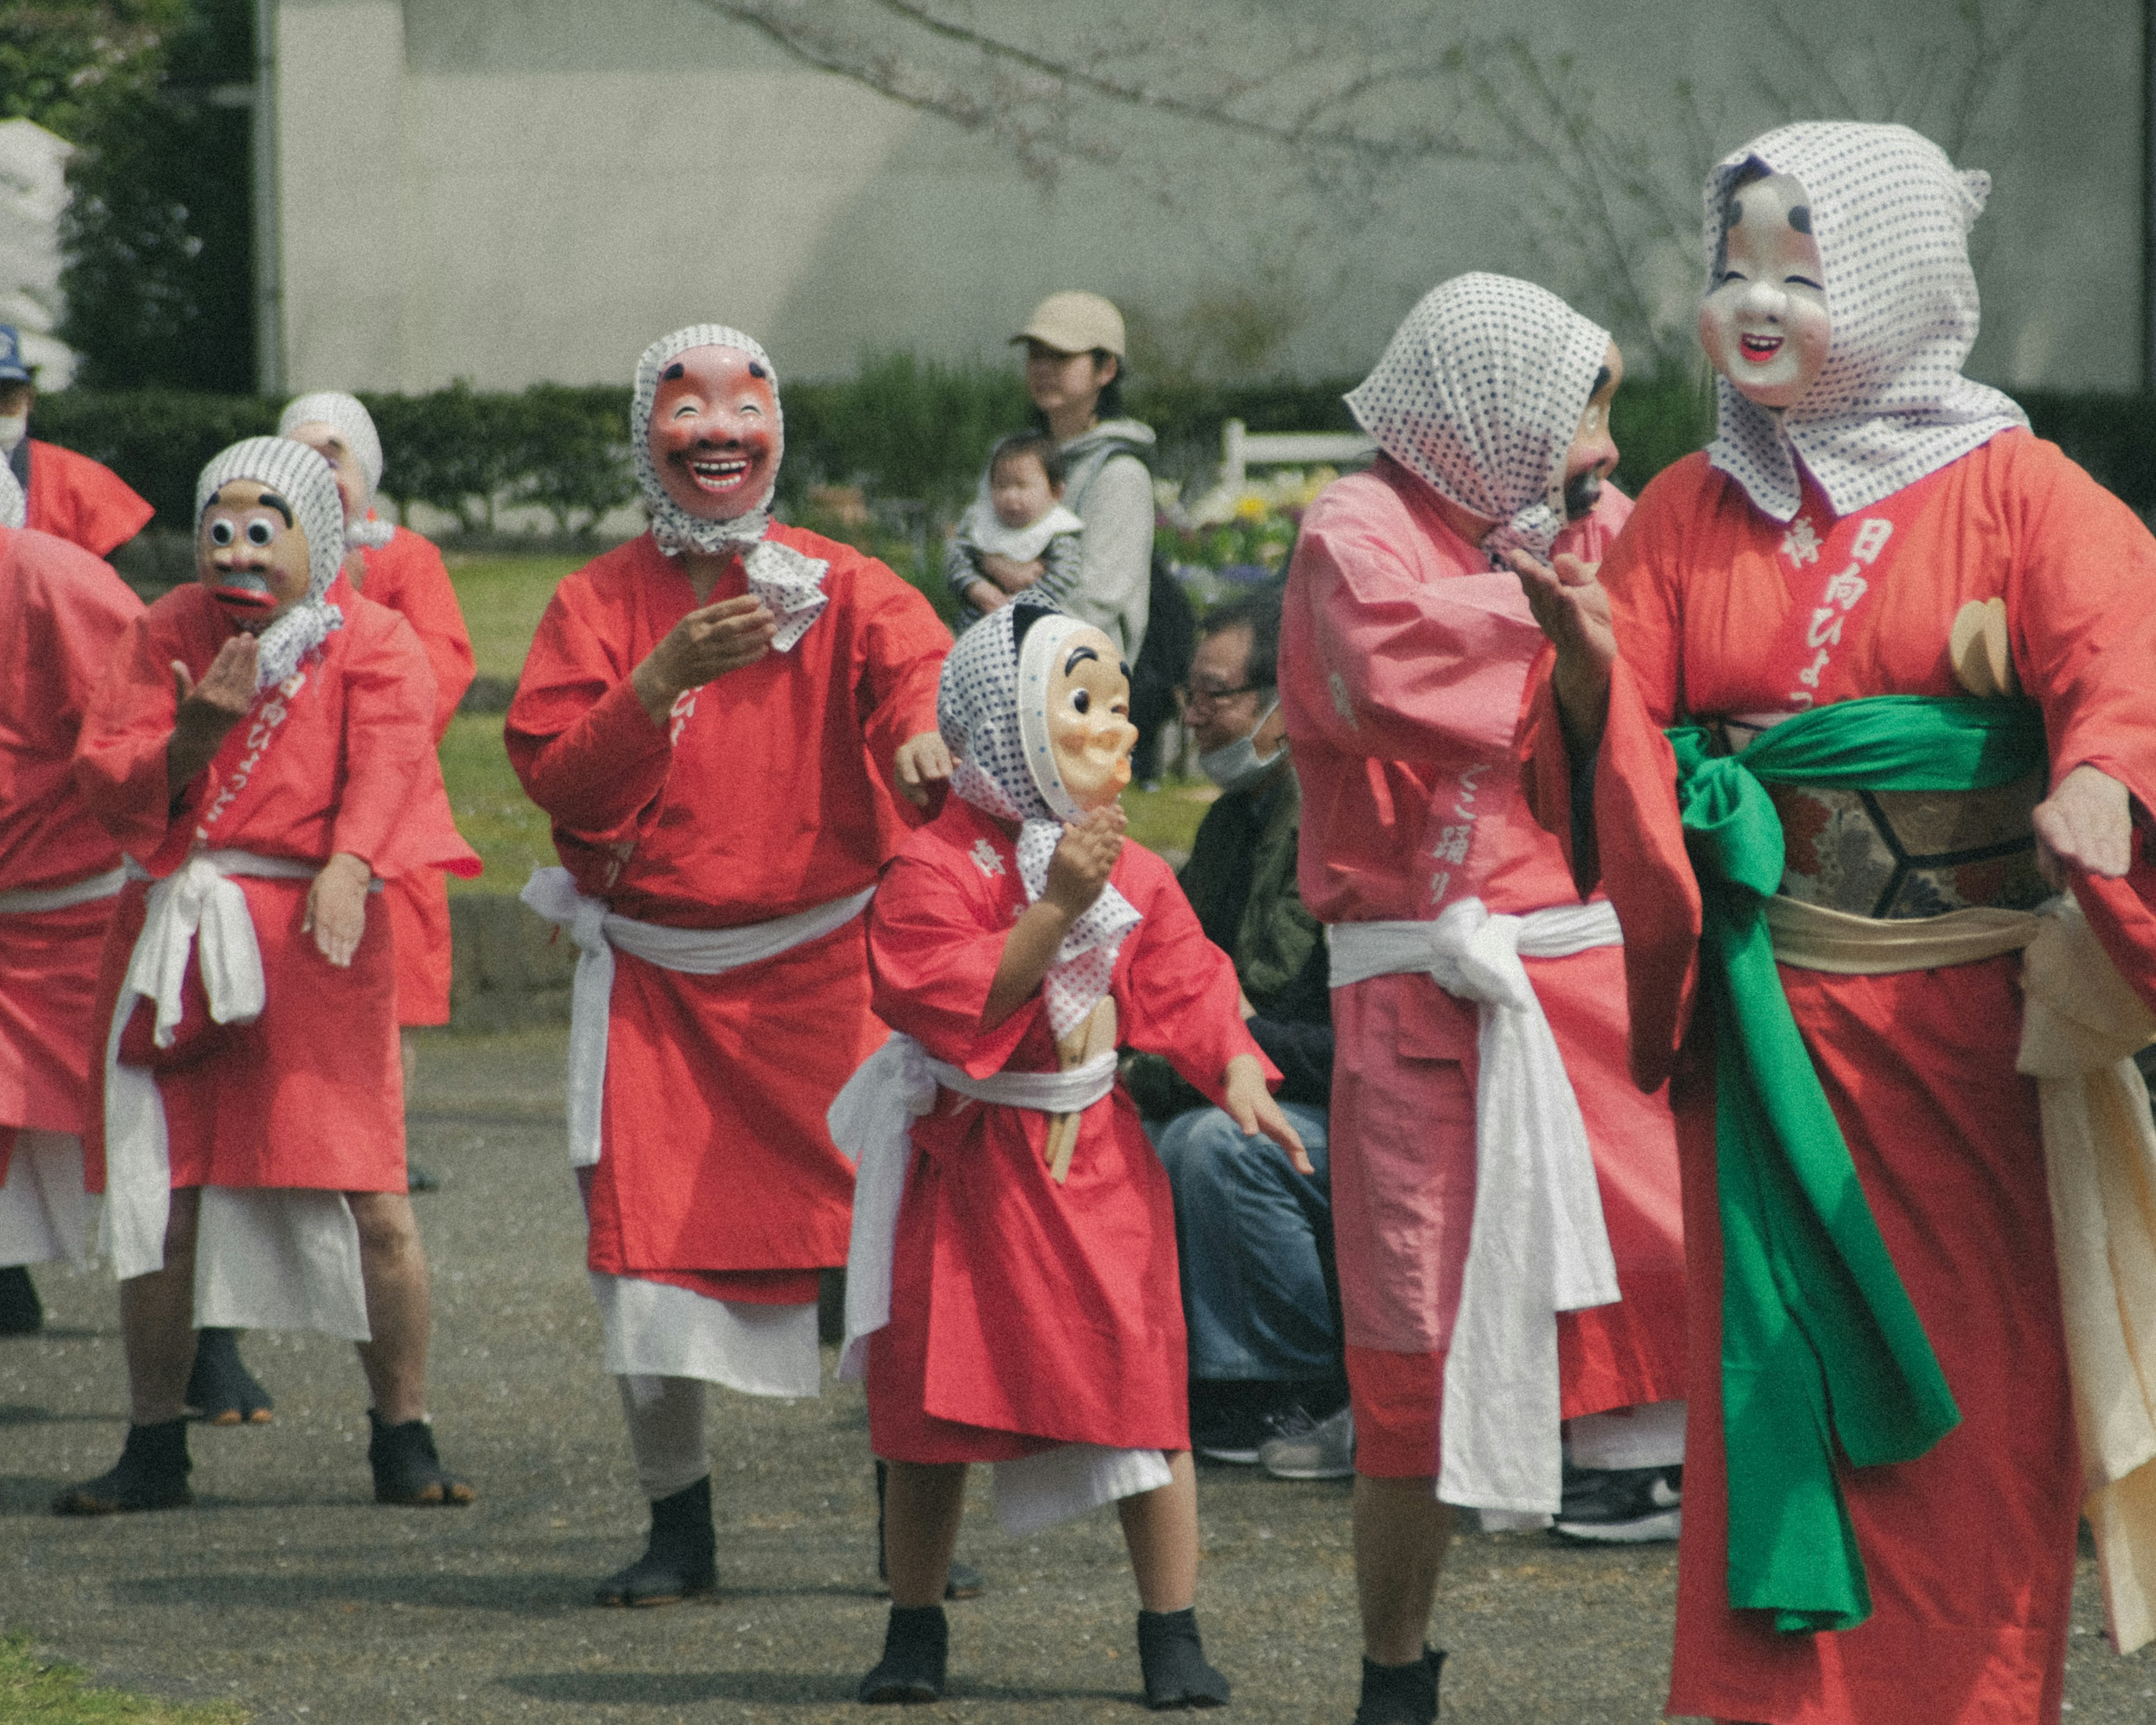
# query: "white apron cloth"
[[1538, 1245], [268, 1258], [655, 1329], [872, 1121]]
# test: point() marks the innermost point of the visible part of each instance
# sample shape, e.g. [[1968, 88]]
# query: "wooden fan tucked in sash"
[[1084, 1042]]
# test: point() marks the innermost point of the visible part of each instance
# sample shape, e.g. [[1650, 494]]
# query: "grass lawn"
[[61, 1695], [502, 599]]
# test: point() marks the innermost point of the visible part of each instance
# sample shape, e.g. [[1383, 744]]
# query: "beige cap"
[[1075, 322]]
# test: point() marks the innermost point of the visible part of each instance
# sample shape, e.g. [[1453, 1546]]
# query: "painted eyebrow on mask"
[[1078, 656], [676, 370], [267, 500], [1800, 218], [1601, 382]]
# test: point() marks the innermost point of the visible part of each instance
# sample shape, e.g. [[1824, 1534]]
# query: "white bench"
[[1241, 448]]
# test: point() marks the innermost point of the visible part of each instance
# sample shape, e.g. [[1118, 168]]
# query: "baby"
[[1020, 536]]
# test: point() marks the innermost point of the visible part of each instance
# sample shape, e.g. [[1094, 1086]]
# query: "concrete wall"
[[509, 190]]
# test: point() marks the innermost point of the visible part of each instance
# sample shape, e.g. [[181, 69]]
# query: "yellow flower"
[[1252, 507]]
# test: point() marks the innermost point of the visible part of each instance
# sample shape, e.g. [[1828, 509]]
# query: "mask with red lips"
[[716, 439]]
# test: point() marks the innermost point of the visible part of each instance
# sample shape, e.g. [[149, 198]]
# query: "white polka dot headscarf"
[[1479, 393], [303, 479], [349, 414], [789, 582], [1892, 215], [978, 709], [14, 507]]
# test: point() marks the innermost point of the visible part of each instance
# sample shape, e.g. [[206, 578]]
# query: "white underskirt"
[[1036, 1492], [279, 1258], [656, 1330], [45, 1213]]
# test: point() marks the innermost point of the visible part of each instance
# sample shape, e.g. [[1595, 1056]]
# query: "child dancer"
[[1013, 1275]]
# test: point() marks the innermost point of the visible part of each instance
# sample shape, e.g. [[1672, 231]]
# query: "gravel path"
[[287, 1589]]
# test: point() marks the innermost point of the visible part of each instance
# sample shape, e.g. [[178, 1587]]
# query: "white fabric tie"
[[283, 1257], [871, 1122], [1538, 1245], [695, 951], [30, 900]]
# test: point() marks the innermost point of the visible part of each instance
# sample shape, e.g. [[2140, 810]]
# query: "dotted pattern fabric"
[[978, 712], [1479, 393], [1892, 215], [14, 507], [349, 414], [789, 582], [302, 479]]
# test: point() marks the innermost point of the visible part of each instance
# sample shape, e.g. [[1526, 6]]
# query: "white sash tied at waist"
[[271, 1258], [695, 951], [2080, 1026], [30, 900], [871, 1122], [1538, 1245]]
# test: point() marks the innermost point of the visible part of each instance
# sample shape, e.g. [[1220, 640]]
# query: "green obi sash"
[[1820, 1343]]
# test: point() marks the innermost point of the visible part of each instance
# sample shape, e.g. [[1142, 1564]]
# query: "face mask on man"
[[1236, 765], [13, 428]]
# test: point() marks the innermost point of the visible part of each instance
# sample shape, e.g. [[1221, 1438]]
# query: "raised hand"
[[1084, 858], [336, 907], [922, 761], [1251, 1106], [2087, 823], [707, 644], [1571, 607], [209, 709]]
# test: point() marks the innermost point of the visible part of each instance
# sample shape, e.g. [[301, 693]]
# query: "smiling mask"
[[786, 580]]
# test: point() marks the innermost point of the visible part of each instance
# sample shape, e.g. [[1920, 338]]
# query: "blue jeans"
[[1255, 1236]]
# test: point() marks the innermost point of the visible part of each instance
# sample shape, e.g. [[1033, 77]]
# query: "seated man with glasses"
[[1255, 1236]]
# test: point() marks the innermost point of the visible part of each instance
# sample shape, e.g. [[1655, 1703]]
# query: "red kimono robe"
[[73, 497], [311, 1094], [65, 614], [768, 793], [1969, 1549], [1023, 1313], [407, 575], [1403, 662]]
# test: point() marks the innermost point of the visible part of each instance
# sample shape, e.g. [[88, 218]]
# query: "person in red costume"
[[1011, 1289], [1498, 1183], [395, 566], [68, 496], [260, 746], [1822, 892], [725, 719], [59, 876]]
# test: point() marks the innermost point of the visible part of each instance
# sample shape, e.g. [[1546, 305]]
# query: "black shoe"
[[1400, 1694], [960, 1581], [153, 1474], [21, 1312], [679, 1560], [418, 1179], [917, 1652], [1622, 1505], [407, 1470], [1172, 1660], [220, 1388]]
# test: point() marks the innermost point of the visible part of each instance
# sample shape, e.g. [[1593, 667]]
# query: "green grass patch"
[[1165, 820], [31, 1691], [500, 822], [502, 599]]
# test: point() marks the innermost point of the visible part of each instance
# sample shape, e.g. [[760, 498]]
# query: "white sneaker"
[[1322, 1450]]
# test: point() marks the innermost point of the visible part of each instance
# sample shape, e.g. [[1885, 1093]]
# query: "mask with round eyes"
[[715, 435], [1074, 705], [250, 554], [1764, 323]]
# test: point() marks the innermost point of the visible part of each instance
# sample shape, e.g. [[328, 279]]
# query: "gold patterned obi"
[[1894, 854]]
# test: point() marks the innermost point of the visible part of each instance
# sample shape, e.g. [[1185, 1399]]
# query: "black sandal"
[[680, 1559], [917, 1652], [153, 1474], [407, 1470], [1172, 1659], [1400, 1694], [220, 1388]]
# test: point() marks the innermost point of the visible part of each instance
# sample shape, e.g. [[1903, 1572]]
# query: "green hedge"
[[902, 427]]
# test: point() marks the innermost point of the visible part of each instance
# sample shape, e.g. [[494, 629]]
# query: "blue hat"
[[11, 369]]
